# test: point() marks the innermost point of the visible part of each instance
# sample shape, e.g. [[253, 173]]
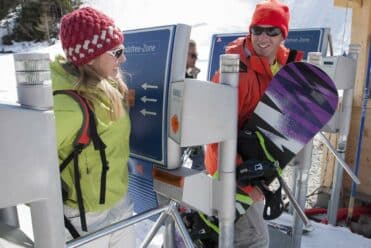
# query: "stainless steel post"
[[179, 223], [229, 68], [35, 94], [169, 234], [305, 157], [339, 155], [156, 226], [337, 180], [294, 203], [169, 216], [114, 227], [344, 121]]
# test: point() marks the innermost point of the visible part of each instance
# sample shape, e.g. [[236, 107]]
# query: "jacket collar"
[[62, 79], [243, 46]]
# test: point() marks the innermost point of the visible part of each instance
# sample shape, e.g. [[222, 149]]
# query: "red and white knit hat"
[[86, 33], [272, 12]]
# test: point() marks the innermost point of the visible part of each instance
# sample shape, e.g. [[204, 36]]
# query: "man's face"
[[266, 40], [192, 57]]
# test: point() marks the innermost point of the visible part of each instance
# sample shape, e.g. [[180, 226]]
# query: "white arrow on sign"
[[146, 86], [144, 112], [145, 99]]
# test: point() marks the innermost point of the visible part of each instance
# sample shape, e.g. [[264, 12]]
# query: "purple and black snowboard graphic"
[[299, 101]]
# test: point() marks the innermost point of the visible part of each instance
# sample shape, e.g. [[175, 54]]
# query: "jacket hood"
[[65, 77], [61, 78]]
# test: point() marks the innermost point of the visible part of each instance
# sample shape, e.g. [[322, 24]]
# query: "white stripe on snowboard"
[[274, 119]]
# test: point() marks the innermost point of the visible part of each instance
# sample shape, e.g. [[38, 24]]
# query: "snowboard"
[[299, 101]]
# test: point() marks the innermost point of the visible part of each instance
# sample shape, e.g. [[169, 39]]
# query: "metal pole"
[[114, 227], [344, 122], [229, 68], [169, 234], [305, 158], [35, 93], [295, 204], [156, 226], [339, 155], [333, 205], [292, 177], [179, 222]]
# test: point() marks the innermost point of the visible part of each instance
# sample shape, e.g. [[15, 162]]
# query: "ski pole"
[[360, 137]]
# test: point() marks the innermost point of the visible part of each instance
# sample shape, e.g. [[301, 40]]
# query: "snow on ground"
[[328, 236]]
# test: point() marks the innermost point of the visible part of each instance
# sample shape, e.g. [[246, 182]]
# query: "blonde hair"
[[114, 88], [91, 85]]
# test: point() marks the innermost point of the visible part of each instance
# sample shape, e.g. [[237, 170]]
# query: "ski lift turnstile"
[[29, 163], [205, 113], [200, 112], [342, 70]]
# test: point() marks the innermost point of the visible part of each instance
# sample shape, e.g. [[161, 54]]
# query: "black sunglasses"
[[116, 53], [270, 31]]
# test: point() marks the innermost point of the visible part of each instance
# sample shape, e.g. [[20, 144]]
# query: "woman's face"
[[108, 64]]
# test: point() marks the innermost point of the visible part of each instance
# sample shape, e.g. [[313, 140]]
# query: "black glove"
[[254, 172], [274, 205]]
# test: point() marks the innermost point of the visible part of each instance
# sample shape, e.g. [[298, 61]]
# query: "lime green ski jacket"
[[115, 134]]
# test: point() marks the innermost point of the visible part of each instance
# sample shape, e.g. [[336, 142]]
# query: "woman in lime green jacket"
[[93, 48]]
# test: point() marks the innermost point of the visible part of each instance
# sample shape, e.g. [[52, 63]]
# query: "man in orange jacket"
[[262, 54]]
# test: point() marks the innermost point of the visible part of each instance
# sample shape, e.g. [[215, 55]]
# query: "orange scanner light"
[[175, 124]]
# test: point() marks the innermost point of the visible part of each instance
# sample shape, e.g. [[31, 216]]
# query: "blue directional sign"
[[218, 45], [148, 53], [306, 40]]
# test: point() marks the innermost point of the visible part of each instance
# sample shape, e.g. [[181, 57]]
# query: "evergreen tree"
[[36, 19], [6, 5], [27, 22]]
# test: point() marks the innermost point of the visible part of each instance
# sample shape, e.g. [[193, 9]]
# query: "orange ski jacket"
[[254, 77]]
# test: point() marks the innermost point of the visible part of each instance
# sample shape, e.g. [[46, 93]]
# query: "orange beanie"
[[272, 12]]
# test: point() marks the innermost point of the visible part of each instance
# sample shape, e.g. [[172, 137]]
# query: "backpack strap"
[[80, 142], [67, 223], [88, 132], [99, 145]]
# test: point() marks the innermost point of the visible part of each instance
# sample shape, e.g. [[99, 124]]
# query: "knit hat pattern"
[[274, 13], [86, 33]]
